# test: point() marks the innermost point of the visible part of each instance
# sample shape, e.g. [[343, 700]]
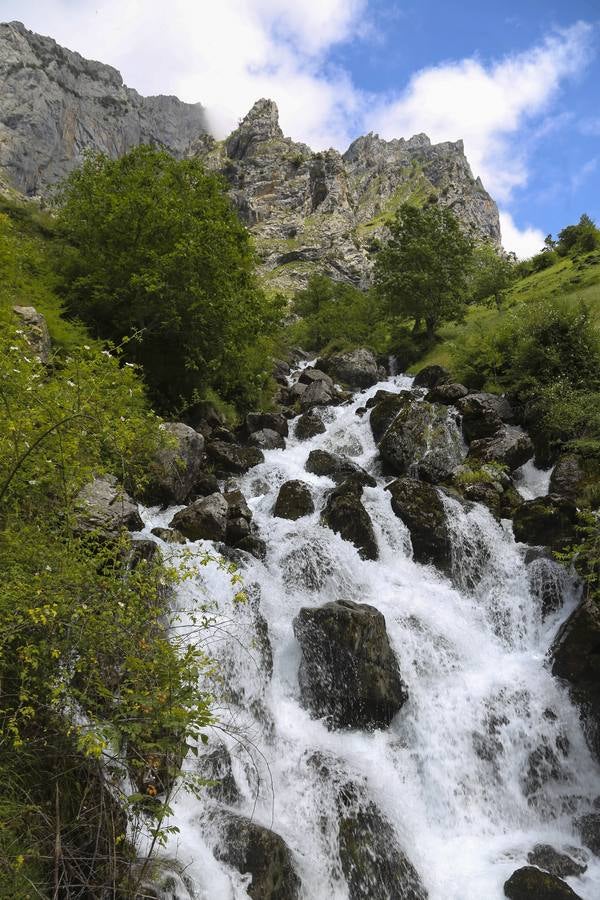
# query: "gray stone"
[[530, 883], [420, 507], [319, 393], [447, 393], [169, 535], [345, 514], [348, 673], [355, 368], [104, 506], [204, 519], [35, 326], [229, 457], [509, 445], [422, 438], [338, 468], [588, 827], [559, 864], [308, 425], [267, 439], [175, 470], [431, 377], [483, 414], [257, 421]]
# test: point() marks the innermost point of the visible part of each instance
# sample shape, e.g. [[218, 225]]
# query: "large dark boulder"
[[104, 507], [345, 514], [576, 658], [447, 393], [548, 581], [267, 439], [373, 864], [530, 883], [509, 445], [354, 368], [548, 521], [215, 766], [319, 393], [239, 517], [348, 674], [420, 507], [309, 425], [204, 519], [567, 477], [228, 457], [257, 421], [338, 468], [384, 407], [254, 849], [421, 436], [550, 860], [311, 375], [431, 376], [174, 470], [294, 501], [483, 414]]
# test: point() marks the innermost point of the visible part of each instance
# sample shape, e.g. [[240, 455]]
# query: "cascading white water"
[[487, 757]]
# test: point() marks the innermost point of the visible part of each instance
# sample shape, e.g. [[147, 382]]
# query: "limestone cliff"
[[54, 104], [326, 211]]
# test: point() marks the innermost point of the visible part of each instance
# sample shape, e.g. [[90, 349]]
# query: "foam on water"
[[486, 758]]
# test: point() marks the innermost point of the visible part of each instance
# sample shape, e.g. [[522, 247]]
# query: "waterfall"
[[484, 760]]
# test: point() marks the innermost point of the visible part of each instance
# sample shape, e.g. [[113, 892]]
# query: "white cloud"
[[525, 242], [486, 106]]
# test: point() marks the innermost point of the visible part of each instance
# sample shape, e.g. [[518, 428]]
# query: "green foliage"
[[153, 251], [422, 271], [492, 273], [581, 238], [338, 316], [585, 555], [488, 474]]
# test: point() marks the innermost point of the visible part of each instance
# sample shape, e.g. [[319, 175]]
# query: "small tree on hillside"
[[492, 273], [422, 271], [581, 238]]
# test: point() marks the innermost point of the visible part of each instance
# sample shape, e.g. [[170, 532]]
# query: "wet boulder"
[[253, 849], [239, 517], [530, 883], [257, 421], [548, 521], [422, 436], [384, 410], [175, 468], [267, 439], [338, 468], [354, 368], [253, 545], [294, 501], [169, 535], [431, 376], [549, 582], [550, 860], [215, 766], [421, 508], [509, 445], [204, 519], [319, 393], [447, 394], [309, 425], [345, 514], [348, 673], [372, 862], [228, 457], [311, 375], [576, 658], [36, 332], [588, 828], [281, 372], [205, 483], [483, 414], [104, 507]]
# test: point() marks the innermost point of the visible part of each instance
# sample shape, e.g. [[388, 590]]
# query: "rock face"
[[175, 470], [254, 849], [55, 105], [348, 673], [589, 831], [530, 883], [576, 658], [422, 437], [323, 212], [420, 507], [104, 506]]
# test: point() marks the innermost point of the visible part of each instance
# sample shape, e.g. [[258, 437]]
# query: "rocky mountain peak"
[[258, 127]]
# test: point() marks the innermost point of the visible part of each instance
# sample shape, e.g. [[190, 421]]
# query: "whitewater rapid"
[[452, 773]]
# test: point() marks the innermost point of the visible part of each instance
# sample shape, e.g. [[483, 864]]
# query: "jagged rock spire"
[[259, 125]]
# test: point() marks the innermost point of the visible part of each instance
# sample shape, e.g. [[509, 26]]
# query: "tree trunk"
[[430, 324]]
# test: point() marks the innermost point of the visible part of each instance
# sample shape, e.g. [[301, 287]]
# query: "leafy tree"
[[492, 273], [154, 251], [549, 244], [581, 238], [422, 271]]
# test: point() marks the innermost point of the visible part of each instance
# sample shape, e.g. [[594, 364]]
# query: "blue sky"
[[518, 81]]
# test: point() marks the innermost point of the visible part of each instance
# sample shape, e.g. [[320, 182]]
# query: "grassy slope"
[[572, 280]]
